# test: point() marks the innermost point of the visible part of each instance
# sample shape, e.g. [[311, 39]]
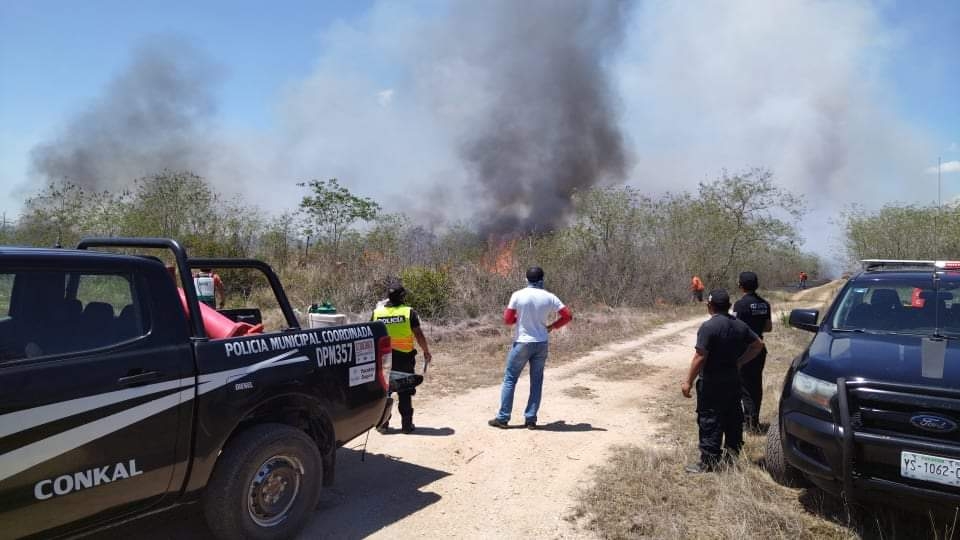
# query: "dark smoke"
[[153, 116], [549, 125]]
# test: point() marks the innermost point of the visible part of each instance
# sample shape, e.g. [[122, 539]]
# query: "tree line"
[[902, 231], [619, 247]]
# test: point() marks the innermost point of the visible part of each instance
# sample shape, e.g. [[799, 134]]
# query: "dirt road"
[[458, 477], [819, 294]]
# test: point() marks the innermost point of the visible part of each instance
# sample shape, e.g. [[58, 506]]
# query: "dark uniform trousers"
[[720, 419], [751, 376], [405, 361]]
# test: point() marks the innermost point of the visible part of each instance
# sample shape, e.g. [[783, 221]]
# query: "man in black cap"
[[755, 311], [724, 345], [403, 327]]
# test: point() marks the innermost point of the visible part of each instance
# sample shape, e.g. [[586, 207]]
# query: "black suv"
[[871, 408]]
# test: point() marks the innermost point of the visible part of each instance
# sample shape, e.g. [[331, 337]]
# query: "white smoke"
[[794, 86]]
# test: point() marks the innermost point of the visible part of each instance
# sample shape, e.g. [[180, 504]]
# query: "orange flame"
[[499, 258], [370, 256]]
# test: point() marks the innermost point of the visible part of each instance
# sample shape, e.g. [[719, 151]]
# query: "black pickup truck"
[[871, 408], [116, 402]]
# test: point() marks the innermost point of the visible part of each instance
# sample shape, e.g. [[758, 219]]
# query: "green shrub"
[[428, 290]]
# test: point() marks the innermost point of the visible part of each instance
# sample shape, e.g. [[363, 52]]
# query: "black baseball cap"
[[394, 286], [719, 298], [534, 274], [749, 281]]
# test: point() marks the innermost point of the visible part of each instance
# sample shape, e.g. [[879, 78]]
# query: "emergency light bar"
[[881, 264]]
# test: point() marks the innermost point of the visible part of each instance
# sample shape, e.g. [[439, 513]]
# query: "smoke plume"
[[501, 109], [546, 125], [154, 115]]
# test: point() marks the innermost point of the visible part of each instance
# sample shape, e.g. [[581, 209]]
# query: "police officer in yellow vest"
[[403, 326]]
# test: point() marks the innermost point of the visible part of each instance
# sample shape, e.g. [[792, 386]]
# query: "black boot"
[[406, 423]]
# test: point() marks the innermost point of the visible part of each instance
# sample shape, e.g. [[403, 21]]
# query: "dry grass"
[[778, 296], [644, 492]]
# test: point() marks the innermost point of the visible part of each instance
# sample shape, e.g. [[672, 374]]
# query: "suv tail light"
[[384, 349]]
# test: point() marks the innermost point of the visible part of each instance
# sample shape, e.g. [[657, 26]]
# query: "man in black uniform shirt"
[[403, 327], [724, 344], [754, 311]]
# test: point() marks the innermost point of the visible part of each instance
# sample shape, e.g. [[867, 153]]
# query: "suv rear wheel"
[[775, 461], [265, 485]]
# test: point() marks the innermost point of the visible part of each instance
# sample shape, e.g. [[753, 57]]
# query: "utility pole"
[[60, 222], [936, 219]]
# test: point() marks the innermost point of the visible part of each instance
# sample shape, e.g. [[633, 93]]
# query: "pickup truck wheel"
[[265, 484], [775, 460]]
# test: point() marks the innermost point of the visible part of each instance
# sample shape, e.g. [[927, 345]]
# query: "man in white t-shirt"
[[529, 309]]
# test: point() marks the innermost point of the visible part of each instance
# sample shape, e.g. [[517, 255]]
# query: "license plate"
[[930, 468]]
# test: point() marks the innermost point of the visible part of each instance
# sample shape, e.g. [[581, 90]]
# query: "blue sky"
[[55, 55], [296, 76], [925, 65]]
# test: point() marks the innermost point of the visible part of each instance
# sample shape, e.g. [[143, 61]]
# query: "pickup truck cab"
[[871, 409], [116, 402]]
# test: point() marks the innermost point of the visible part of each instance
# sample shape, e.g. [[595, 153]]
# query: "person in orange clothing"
[[696, 289]]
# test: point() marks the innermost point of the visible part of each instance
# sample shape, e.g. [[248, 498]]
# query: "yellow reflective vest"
[[397, 319]]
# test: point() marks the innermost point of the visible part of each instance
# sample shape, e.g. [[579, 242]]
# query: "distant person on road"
[[803, 280], [210, 289], [696, 289], [403, 327], [755, 311], [529, 309], [724, 345]]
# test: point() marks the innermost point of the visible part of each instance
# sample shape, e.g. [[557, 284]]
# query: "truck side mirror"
[[805, 319]]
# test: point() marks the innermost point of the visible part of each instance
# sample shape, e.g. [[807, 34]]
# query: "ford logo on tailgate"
[[933, 422]]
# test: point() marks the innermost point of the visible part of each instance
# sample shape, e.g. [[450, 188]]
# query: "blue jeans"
[[520, 354]]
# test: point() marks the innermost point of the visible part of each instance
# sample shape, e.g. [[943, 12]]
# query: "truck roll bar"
[[186, 264], [179, 254], [263, 267]]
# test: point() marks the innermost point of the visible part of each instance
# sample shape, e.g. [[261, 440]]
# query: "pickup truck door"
[[97, 391]]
